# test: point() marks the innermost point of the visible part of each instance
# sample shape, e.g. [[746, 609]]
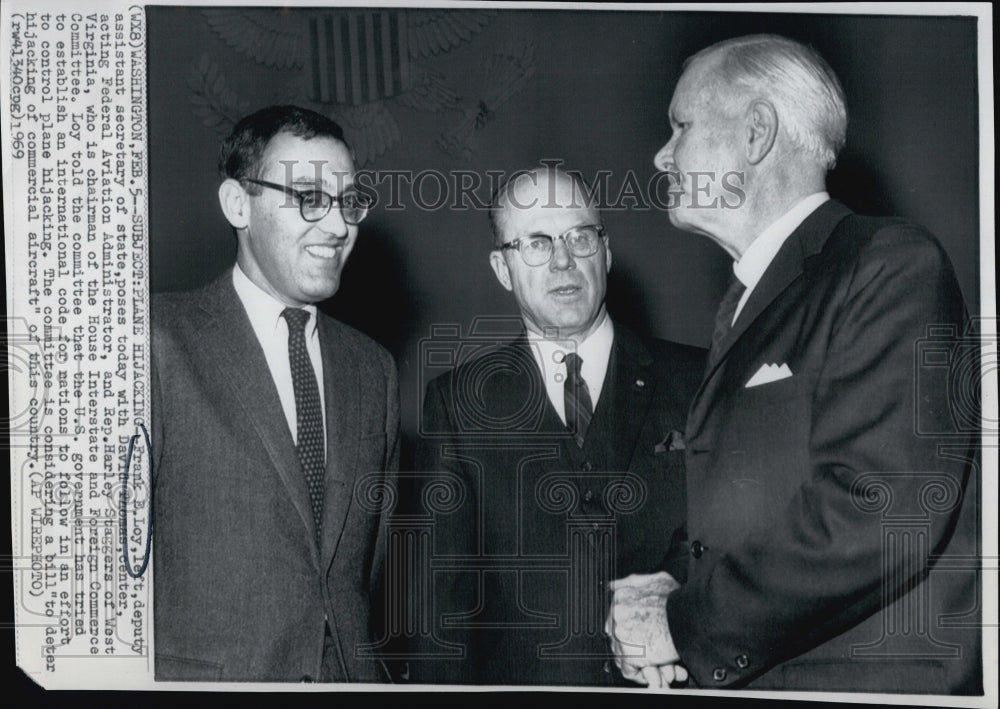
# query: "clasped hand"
[[637, 627]]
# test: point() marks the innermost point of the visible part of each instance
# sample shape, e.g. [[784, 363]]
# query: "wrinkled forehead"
[[320, 162]]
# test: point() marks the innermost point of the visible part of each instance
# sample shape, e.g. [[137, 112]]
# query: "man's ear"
[[762, 130], [501, 270], [607, 254], [234, 203]]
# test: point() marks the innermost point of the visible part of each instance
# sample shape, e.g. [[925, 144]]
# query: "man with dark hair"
[[241, 153], [832, 500], [563, 450], [267, 414]]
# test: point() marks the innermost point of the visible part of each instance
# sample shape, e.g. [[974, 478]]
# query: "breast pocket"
[[669, 463], [776, 392]]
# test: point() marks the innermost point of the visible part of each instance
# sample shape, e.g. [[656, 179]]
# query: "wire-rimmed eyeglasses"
[[537, 249]]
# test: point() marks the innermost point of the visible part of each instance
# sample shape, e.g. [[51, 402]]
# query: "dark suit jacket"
[[519, 565], [833, 515], [241, 590]]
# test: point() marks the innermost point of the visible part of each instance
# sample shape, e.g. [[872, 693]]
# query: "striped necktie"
[[579, 408], [308, 414]]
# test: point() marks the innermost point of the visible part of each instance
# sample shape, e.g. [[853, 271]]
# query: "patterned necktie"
[[724, 318], [308, 415], [579, 408]]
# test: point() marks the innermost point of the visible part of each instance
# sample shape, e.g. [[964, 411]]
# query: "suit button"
[[586, 467], [697, 549], [588, 495], [306, 678], [719, 674], [742, 662]]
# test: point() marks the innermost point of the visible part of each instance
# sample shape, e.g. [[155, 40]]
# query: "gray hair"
[[797, 80]]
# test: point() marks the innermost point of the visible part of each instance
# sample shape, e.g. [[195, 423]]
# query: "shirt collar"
[[758, 256], [263, 308], [593, 350]]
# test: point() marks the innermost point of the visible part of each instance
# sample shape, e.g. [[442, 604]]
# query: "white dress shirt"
[[271, 329], [550, 357], [755, 260]]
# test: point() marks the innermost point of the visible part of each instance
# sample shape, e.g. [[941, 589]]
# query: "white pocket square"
[[769, 373]]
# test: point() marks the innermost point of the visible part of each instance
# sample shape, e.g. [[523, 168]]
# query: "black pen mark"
[[149, 526]]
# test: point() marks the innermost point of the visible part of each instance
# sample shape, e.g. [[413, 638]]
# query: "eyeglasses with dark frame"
[[316, 204], [537, 249]]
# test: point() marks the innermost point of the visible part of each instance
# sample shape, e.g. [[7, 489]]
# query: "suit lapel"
[[785, 269], [630, 395], [342, 393], [230, 342]]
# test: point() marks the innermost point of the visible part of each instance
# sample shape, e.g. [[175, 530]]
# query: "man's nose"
[[333, 223], [664, 159], [562, 259]]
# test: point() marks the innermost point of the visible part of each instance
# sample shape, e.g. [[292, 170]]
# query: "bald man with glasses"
[[266, 415], [566, 446]]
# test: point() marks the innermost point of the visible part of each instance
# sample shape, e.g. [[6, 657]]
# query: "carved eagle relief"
[[354, 65]]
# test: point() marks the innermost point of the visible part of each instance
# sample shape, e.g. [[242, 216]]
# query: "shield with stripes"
[[357, 56]]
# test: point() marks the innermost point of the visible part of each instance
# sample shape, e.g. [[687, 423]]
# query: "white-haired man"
[[826, 529]]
